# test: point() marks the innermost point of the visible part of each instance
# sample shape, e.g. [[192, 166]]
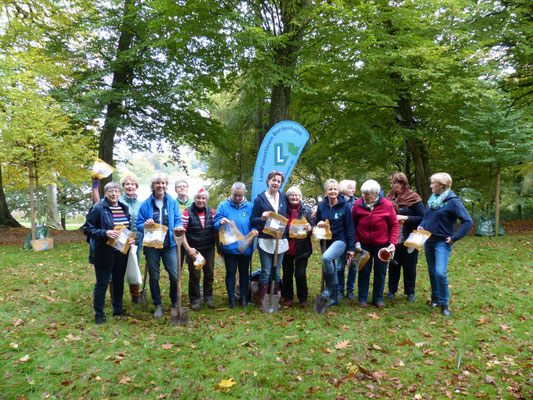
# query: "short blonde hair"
[[443, 178], [160, 176], [330, 182], [294, 189], [129, 177], [344, 184]]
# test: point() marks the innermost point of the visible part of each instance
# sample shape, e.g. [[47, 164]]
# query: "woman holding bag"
[[270, 201], [237, 210], [103, 217]]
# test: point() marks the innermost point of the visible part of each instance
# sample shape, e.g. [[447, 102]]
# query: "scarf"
[[238, 205], [404, 199], [371, 205], [435, 201]]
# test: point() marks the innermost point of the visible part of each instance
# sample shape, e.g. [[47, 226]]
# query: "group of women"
[[370, 223]]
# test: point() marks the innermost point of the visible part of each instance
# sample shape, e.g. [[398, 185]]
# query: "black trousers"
[[408, 261], [294, 267], [195, 276]]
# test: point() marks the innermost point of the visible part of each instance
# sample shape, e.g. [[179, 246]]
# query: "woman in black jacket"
[[270, 201], [296, 257], [409, 212], [108, 261]]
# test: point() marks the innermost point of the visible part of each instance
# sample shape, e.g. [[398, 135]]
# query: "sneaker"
[[390, 296], [244, 301], [445, 311], [209, 302], [340, 296], [158, 313], [303, 304], [432, 304], [350, 296], [195, 307], [118, 313], [363, 304], [379, 304], [287, 303], [411, 297], [99, 319]]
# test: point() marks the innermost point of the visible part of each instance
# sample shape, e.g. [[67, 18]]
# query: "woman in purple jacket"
[[443, 210]]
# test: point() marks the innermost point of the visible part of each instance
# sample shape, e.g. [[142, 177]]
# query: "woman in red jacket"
[[376, 227]]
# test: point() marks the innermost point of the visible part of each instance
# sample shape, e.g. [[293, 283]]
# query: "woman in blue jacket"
[[271, 200], [108, 261], [238, 210], [443, 210], [335, 209], [161, 208]]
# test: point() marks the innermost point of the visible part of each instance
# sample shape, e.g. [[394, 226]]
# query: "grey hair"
[[370, 186], [111, 185], [180, 181], [343, 185], [238, 186], [294, 189], [201, 191], [330, 182], [160, 176]]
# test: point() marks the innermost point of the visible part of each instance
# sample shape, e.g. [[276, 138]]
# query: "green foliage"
[[52, 348]]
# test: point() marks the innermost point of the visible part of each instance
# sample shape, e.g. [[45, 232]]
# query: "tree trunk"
[[6, 219], [52, 215], [122, 79], [32, 203], [497, 203]]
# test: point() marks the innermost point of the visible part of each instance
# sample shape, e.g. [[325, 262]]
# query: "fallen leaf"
[[124, 380], [25, 358], [167, 346], [376, 347], [13, 345], [71, 338], [17, 321], [225, 384], [373, 315], [483, 320], [506, 328], [343, 344], [48, 298]]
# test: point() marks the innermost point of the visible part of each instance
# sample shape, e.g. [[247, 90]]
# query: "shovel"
[[320, 302], [271, 301], [144, 294], [179, 315]]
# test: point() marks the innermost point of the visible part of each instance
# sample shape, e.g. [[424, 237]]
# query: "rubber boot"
[[134, 292], [328, 279], [277, 288], [263, 290], [334, 299]]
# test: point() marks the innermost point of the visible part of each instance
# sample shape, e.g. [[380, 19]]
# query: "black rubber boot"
[[334, 299]]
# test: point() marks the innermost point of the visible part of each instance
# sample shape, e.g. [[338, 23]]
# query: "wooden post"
[[497, 203], [32, 204]]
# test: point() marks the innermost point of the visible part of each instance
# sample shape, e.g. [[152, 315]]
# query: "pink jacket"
[[378, 227]]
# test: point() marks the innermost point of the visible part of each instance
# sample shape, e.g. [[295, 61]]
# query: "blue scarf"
[[435, 201]]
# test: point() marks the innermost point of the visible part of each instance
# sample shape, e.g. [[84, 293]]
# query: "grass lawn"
[[53, 349]]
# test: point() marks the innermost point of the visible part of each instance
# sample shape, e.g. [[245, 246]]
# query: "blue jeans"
[[380, 273], [234, 262], [170, 262], [352, 274], [437, 256], [334, 251], [266, 259], [103, 272]]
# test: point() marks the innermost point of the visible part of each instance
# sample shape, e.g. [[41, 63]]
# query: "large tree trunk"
[[497, 203], [6, 219], [122, 79], [417, 148], [286, 56], [52, 216], [32, 202]]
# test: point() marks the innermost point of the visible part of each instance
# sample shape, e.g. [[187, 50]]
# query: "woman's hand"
[[111, 234], [308, 228], [224, 221], [449, 240], [320, 224], [254, 232], [131, 241], [420, 228], [392, 248], [402, 218], [265, 215], [149, 222], [192, 252]]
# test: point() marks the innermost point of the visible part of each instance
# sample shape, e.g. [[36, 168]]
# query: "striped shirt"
[[119, 217], [185, 218]]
